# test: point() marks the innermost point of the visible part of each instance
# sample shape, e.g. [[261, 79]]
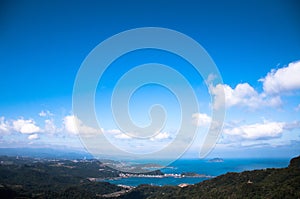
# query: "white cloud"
[[264, 130], [70, 125], [4, 126], [116, 133], [242, 95], [25, 126], [74, 126], [282, 80], [161, 136], [122, 136], [211, 77], [45, 113], [33, 136], [42, 114], [113, 131], [50, 127], [201, 119], [276, 83]]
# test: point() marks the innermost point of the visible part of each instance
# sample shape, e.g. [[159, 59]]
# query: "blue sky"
[[255, 44]]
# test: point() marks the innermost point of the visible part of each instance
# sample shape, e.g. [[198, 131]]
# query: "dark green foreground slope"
[[31, 178], [267, 183]]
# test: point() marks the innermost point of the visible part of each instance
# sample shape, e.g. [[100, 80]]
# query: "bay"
[[204, 167]]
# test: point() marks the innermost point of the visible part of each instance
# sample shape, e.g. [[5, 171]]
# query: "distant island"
[[216, 160]]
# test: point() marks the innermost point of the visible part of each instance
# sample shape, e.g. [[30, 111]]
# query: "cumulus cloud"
[[265, 130], [116, 133], [161, 136], [4, 126], [242, 95], [276, 83], [113, 131], [25, 126], [201, 119], [282, 80], [74, 126], [259, 134], [45, 113], [33, 136], [70, 125], [50, 127], [122, 136]]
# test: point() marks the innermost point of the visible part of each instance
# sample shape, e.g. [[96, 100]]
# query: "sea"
[[202, 166]]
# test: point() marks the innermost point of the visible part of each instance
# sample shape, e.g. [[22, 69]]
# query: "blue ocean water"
[[202, 167]]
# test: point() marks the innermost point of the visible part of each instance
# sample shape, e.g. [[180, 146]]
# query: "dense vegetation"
[[30, 178], [267, 183]]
